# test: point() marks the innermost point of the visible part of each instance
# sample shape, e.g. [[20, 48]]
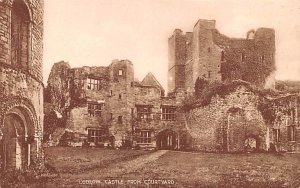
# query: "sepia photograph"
[[149, 93]]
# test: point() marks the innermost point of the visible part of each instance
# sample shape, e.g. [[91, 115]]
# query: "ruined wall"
[[112, 92], [284, 129], [225, 123], [250, 59], [120, 96], [215, 57], [57, 91], [21, 65]]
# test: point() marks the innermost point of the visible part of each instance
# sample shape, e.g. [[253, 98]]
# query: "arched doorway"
[[13, 146], [234, 130], [167, 139], [251, 144], [18, 135], [240, 134]]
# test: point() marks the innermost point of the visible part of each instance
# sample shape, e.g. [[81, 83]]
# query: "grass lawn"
[[186, 169], [225, 170], [79, 160]]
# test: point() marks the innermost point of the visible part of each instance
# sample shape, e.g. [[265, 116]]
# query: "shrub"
[[30, 175]]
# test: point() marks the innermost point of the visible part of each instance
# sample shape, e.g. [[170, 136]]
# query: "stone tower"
[[177, 59], [21, 86], [206, 53]]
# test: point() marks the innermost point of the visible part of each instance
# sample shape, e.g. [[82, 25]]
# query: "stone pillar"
[[18, 153], [11, 153], [178, 141], [28, 154], [33, 151], [268, 139], [227, 136]]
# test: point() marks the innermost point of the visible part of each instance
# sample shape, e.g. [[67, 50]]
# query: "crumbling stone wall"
[[251, 60], [215, 57], [227, 122], [120, 96], [281, 114]]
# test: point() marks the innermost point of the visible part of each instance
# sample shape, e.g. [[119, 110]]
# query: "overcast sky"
[[94, 32]]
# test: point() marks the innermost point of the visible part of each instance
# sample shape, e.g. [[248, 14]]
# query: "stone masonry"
[[227, 122], [208, 54], [21, 87], [106, 106]]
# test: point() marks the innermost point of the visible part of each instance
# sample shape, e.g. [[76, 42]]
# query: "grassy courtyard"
[[79, 160], [184, 169]]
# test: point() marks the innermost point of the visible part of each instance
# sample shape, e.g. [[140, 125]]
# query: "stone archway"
[[167, 139], [240, 134], [18, 136], [233, 131], [251, 144]]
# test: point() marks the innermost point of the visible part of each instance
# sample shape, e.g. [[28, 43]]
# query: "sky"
[[95, 32]]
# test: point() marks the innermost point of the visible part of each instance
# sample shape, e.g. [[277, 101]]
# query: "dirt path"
[[119, 169]]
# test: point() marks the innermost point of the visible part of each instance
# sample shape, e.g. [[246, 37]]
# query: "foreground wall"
[[21, 88]]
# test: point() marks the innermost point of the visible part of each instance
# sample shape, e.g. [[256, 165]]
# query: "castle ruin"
[[105, 106], [208, 54]]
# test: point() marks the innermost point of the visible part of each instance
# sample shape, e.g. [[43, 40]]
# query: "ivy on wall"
[[204, 95], [274, 109], [271, 104]]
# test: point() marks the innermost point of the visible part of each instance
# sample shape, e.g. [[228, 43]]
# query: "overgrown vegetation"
[[271, 103], [272, 109], [52, 122], [200, 84], [267, 110], [30, 175], [76, 98], [205, 92], [288, 86]]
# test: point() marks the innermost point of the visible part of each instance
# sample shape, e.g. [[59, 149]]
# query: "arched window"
[[20, 34]]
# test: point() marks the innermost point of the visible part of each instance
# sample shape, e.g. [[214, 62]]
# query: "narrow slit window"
[[222, 56], [209, 74]]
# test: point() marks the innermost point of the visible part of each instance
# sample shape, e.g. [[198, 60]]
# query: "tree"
[[200, 84]]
